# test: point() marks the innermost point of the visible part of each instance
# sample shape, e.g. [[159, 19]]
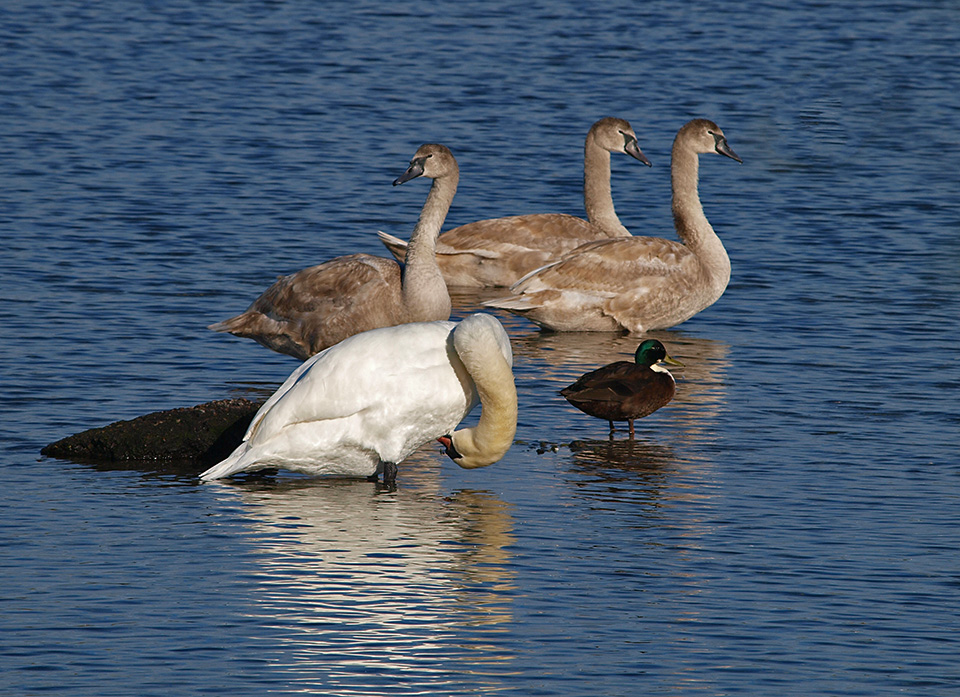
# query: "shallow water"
[[788, 524]]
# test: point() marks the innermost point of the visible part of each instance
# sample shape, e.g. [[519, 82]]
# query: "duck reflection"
[[397, 579], [615, 469], [625, 455], [670, 443]]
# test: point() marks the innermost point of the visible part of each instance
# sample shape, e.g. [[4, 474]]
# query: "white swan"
[[307, 311], [376, 397], [499, 251], [637, 283]]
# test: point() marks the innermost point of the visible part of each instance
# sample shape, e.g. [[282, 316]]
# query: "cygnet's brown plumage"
[[305, 312], [497, 252], [637, 283]]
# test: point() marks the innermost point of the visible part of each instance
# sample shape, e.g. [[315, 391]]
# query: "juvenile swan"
[[305, 312], [374, 398], [499, 251], [637, 283]]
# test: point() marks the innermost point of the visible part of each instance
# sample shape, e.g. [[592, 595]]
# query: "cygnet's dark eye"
[[722, 147]]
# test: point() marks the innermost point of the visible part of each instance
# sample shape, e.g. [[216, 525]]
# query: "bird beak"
[[413, 171], [671, 361], [632, 148], [724, 149], [447, 443]]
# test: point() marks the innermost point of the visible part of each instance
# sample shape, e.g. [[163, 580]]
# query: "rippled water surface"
[[788, 525]]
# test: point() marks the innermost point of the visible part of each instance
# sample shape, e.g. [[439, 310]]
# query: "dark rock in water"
[[201, 435]]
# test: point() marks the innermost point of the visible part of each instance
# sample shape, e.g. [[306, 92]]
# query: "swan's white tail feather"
[[231, 465]]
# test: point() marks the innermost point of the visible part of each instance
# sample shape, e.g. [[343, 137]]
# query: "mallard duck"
[[307, 311], [365, 404], [624, 391], [497, 252], [637, 283]]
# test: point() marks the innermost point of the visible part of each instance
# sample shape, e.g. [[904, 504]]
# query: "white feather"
[[374, 397]]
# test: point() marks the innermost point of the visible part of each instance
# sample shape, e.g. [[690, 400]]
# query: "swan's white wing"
[[349, 377], [375, 396]]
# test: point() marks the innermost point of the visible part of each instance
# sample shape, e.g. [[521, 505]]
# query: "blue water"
[[788, 525]]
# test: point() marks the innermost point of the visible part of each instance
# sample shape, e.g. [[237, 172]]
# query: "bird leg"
[[389, 470], [612, 429], [390, 473], [630, 421]]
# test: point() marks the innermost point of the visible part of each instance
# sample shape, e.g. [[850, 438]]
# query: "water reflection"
[[625, 455], [565, 356], [557, 359], [639, 471], [408, 580], [669, 452], [561, 357]]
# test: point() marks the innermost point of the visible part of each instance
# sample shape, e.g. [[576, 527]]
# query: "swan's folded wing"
[[610, 266], [348, 378], [330, 288], [316, 307], [555, 233], [601, 285]]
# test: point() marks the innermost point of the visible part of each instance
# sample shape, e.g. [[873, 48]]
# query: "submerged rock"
[[201, 435]]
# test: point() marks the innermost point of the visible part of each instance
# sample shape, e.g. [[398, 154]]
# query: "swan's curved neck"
[[691, 223], [597, 196], [489, 440], [424, 291]]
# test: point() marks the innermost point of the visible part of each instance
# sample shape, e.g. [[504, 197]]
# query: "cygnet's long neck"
[[424, 292], [491, 438], [691, 223], [597, 197]]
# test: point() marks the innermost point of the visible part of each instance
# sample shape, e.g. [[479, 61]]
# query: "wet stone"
[[203, 435]]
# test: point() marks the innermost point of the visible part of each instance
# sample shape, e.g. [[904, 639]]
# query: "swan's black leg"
[[390, 473]]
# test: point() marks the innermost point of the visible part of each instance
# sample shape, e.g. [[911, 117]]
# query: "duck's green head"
[[650, 352]]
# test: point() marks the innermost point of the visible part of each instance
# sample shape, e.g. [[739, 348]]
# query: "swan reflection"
[[565, 356], [405, 579], [562, 357], [669, 450], [547, 362]]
